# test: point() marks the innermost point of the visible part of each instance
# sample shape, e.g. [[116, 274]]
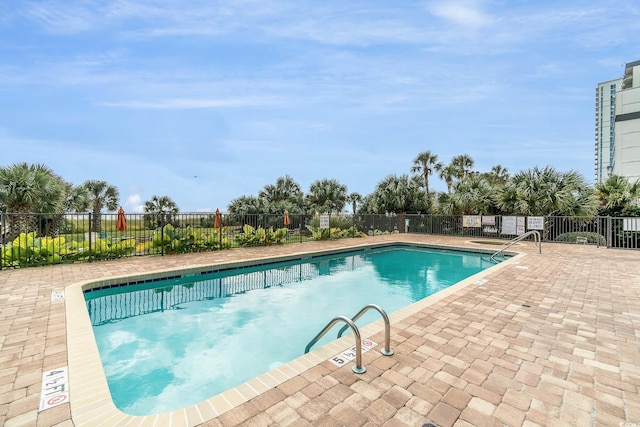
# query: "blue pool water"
[[169, 344]]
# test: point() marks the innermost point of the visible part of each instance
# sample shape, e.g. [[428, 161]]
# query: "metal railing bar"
[[515, 240], [357, 368], [387, 326]]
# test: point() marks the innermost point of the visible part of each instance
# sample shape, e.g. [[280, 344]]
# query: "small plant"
[[318, 233], [251, 236], [333, 233], [378, 232], [27, 249]]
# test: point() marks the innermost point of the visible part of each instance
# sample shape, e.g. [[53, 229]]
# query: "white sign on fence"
[[324, 221], [513, 225], [508, 225], [488, 220], [471, 221], [535, 223]]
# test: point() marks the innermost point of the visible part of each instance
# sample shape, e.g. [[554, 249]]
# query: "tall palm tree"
[[327, 195], [160, 210], [101, 194], [76, 199], [447, 174], [354, 198], [463, 163], [497, 176], [424, 164], [29, 188]]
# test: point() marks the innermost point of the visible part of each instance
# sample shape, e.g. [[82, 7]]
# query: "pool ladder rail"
[[386, 351], [536, 238]]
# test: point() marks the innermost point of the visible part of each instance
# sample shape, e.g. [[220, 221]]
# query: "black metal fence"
[[37, 239]]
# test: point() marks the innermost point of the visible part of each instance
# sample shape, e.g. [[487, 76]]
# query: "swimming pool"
[[232, 324]]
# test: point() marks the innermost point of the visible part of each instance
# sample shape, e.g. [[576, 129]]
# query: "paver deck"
[[553, 339]]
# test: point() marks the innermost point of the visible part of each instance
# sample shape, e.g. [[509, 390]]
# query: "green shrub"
[[175, 240], [27, 249], [573, 237], [333, 233], [260, 236]]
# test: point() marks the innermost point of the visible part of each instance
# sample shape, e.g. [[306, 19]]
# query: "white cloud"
[[134, 204], [464, 13]]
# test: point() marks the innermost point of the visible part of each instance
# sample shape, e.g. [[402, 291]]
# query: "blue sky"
[[205, 101]]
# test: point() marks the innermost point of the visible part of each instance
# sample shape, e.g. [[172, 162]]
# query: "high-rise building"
[[605, 116], [618, 126]]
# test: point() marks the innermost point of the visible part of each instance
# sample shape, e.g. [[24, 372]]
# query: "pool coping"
[[91, 402]]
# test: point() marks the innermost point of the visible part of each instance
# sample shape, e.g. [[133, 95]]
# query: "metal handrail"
[[387, 327], [512, 242], [358, 368]]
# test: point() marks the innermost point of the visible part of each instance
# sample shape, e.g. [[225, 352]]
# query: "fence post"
[[90, 237], [353, 225], [609, 236], [162, 233]]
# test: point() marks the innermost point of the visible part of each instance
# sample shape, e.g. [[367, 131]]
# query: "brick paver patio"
[[552, 340]]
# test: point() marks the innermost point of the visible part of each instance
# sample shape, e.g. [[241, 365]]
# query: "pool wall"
[[90, 399]]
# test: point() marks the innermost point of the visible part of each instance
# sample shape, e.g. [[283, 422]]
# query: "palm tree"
[[101, 194], [617, 196], [473, 196], [29, 188], [246, 205], [447, 174], [326, 195], [160, 209], [445, 205], [354, 198], [76, 199], [540, 192], [284, 194], [424, 164], [497, 176], [463, 163], [400, 195], [284, 190], [249, 210]]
